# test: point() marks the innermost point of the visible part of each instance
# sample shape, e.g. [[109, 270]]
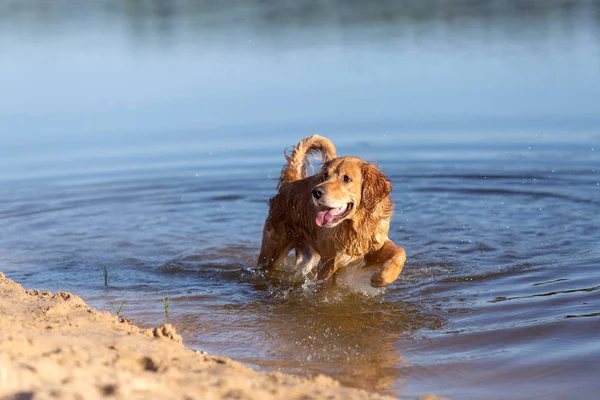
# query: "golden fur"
[[337, 217]]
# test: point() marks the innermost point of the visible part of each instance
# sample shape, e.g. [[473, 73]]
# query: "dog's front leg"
[[307, 260], [327, 267], [274, 248], [387, 262]]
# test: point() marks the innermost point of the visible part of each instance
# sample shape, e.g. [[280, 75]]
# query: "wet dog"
[[337, 217]]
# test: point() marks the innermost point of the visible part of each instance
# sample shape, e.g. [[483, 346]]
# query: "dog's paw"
[[379, 281], [387, 273]]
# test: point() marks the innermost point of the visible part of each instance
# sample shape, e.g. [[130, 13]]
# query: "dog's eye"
[[325, 176], [347, 179]]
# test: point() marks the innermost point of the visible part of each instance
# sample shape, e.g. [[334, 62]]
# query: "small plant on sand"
[[118, 307], [166, 303], [105, 270]]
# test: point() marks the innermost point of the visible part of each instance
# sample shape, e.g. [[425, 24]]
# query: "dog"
[[337, 217]]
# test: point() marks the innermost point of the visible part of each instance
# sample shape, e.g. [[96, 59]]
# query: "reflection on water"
[[154, 17], [299, 328], [292, 324], [145, 137]]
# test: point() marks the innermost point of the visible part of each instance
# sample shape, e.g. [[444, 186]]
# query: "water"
[[145, 137]]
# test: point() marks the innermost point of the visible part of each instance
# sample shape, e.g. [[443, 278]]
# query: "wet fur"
[[362, 237]]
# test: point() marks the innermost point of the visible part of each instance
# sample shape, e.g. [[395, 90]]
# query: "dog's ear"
[[375, 186]]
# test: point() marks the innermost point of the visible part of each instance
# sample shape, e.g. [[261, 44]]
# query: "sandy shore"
[[55, 346]]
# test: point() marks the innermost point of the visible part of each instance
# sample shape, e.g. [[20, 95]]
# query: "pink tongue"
[[324, 218]]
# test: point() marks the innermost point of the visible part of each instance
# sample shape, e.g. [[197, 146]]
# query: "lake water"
[[145, 137]]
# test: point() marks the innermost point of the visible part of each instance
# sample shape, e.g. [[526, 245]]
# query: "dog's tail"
[[297, 160]]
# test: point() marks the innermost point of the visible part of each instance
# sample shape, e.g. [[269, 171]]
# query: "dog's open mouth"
[[327, 216]]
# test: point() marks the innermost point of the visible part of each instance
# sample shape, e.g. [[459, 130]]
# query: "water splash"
[[358, 279]]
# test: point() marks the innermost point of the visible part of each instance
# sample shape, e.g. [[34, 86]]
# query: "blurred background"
[[143, 138], [80, 77]]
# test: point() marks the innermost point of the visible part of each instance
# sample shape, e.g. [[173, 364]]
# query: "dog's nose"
[[317, 193]]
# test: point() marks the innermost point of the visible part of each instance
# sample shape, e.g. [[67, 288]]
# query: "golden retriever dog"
[[337, 217]]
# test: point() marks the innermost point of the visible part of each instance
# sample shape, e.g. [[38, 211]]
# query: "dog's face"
[[349, 184]]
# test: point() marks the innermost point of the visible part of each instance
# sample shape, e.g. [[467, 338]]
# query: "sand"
[[55, 346]]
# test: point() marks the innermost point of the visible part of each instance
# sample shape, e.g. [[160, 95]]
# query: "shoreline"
[[56, 346]]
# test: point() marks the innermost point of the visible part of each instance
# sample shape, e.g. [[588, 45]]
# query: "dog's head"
[[348, 185]]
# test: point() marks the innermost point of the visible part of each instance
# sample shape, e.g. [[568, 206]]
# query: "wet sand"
[[55, 346]]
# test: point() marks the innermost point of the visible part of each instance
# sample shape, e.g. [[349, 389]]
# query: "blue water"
[[146, 138]]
